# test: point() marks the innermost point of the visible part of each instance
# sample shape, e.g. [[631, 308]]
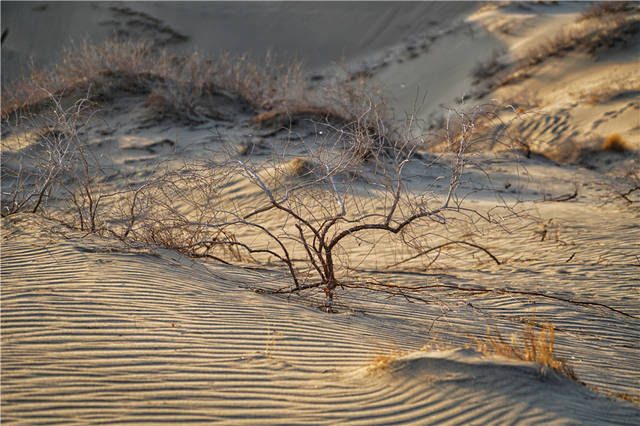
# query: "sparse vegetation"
[[191, 88], [139, 68], [535, 346], [382, 362], [345, 185], [319, 194], [603, 25], [587, 36], [614, 142]]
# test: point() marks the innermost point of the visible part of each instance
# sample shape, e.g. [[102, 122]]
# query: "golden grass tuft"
[[535, 347], [298, 167], [615, 143], [382, 362]]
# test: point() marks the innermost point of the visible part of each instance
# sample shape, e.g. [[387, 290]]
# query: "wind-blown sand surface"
[[343, 30], [97, 331]]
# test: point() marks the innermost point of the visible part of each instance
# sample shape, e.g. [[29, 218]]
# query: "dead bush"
[[311, 202], [44, 159]]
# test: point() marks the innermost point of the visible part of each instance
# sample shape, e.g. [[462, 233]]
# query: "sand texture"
[[97, 334], [97, 329]]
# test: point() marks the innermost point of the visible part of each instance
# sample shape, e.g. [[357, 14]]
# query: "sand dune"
[[213, 27], [99, 330], [97, 334]]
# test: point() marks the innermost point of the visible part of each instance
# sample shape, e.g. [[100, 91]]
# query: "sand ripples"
[[92, 335]]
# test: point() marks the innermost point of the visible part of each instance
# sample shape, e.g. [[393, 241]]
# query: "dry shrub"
[[82, 66], [192, 209], [614, 142], [475, 128], [49, 160], [535, 347]]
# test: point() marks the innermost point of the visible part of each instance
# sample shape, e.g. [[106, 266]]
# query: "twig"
[[495, 259]]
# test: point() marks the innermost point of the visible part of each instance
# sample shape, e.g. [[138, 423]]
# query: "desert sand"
[[97, 329]]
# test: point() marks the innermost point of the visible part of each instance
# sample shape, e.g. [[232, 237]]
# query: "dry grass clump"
[[139, 67], [614, 142], [188, 88], [82, 66], [382, 362], [535, 347], [298, 167]]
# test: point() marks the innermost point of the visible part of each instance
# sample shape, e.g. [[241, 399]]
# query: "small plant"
[[615, 143], [535, 346], [382, 362]]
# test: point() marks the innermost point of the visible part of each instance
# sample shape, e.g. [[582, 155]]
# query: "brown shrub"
[[614, 142]]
